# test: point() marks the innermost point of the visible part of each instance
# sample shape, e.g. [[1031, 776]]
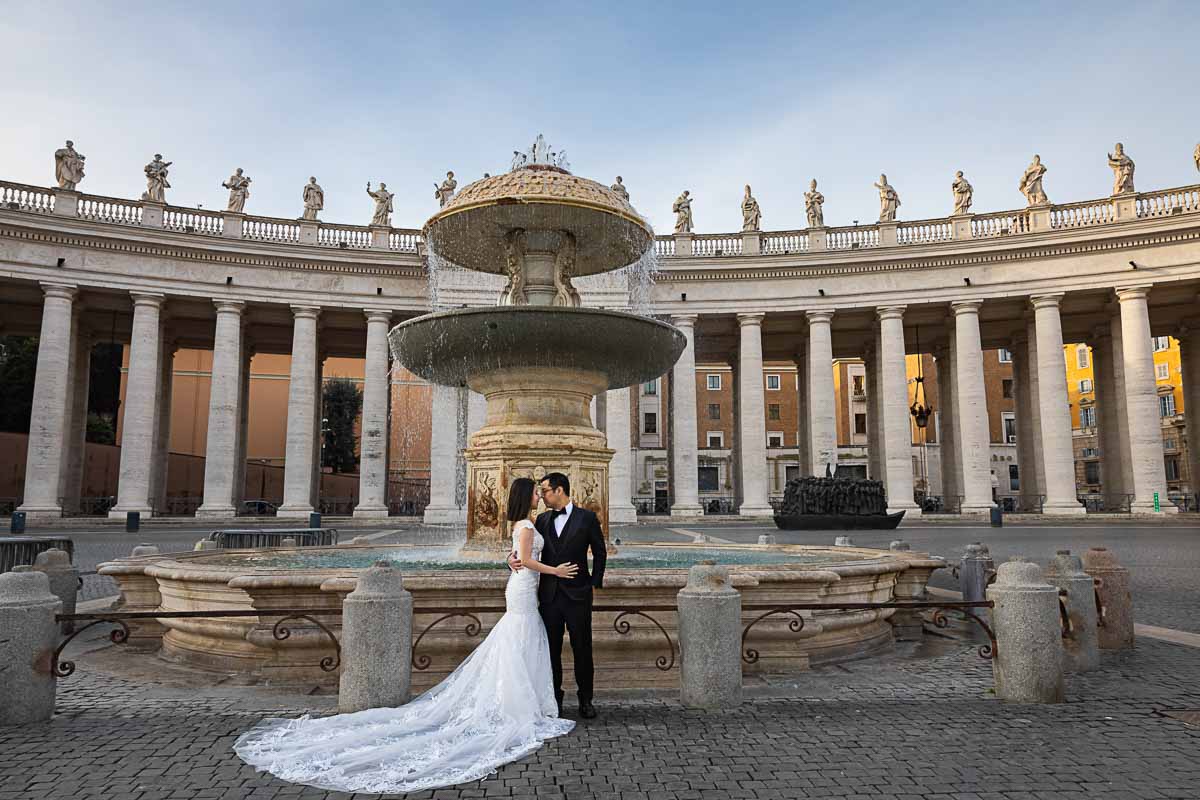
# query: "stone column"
[[75, 448], [684, 461], [141, 402], [304, 394], [1189, 341], [893, 409], [752, 418], [1022, 394], [822, 420], [947, 430], [1054, 413], [162, 429], [620, 472], [1109, 425], [443, 455], [974, 437], [710, 635], [48, 422], [376, 642], [27, 610], [1141, 403], [802, 438], [239, 480], [875, 444], [1124, 460], [224, 412], [1028, 666], [372, 467], [1035, 418]]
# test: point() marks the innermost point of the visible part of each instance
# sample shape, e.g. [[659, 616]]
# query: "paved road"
[[894, 728]]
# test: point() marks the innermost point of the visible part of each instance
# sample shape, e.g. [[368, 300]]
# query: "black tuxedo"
[[568, 603]]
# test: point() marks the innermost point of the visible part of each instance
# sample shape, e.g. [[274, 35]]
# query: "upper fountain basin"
[[451, 347], [470, 229]]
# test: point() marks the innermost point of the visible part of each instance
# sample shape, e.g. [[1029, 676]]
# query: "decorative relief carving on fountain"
[[486, 515], [514, 268], [565, 294]]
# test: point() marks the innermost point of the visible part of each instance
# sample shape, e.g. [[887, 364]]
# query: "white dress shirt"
[[560, 520]]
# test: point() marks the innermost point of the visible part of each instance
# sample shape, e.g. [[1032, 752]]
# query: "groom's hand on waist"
[[514, 563]]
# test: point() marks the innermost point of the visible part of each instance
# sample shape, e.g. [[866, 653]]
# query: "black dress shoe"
[[560, 710], [587, 711]]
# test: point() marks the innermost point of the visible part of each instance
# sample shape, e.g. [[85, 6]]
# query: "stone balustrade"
[[904, 233]]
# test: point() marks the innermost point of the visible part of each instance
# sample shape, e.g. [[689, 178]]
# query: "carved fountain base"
[[538, 421]]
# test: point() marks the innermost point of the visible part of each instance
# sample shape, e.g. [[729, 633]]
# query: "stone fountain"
[[537, 357]]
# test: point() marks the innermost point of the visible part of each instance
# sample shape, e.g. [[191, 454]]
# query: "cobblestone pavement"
[[898, 728]]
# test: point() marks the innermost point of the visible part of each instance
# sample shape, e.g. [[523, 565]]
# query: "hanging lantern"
[[920, 409]]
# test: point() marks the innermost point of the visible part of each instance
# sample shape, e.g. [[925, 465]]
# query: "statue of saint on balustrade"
[[962, 194], [1122, 167], [620, 189], [156, 180], [751, 213], [814, 203], [683, 212], [383, 205], [314, 199], [1031, 183], [445, 192], [239, 189], [68, 166], [889, 200]]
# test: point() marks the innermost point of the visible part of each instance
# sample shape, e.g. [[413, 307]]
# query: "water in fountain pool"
[[449, 558]]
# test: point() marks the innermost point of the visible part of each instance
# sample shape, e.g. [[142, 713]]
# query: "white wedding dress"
[[497, 707]]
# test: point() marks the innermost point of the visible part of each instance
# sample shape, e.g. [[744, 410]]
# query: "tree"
[[341, 401], [18, 365]]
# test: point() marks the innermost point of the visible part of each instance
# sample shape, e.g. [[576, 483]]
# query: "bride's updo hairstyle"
[[520, 499]]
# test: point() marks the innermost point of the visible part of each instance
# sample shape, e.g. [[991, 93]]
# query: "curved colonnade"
[[76, 269]]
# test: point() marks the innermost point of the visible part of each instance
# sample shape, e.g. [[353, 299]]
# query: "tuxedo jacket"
[[581, 532]]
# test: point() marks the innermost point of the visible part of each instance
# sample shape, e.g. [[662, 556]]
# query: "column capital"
[[64, 291], [1045, 300], [752, 318], [965, 306], [148, 299], [306, 312], [819, 315], [1132, 292], [890, 312], [684, 320], [229, 306], [378, 315]]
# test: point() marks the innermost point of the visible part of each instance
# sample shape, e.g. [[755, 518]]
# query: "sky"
[[700, 96]]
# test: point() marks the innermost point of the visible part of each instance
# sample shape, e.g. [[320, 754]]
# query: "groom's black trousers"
[[576, 617]]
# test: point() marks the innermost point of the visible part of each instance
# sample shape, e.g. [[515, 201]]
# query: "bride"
[[497, 707]]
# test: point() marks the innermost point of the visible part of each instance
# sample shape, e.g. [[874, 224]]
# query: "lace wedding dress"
[[497, 707]]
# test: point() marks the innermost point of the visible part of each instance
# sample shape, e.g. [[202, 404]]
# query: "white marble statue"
[[683, 213], [445, 192], [68, 166], [1122, 167], [383, 205], [620, 189], [751, 213], [239, 189], [1031, 183], [519, 160], [156, 180], [314, 199], [963, 194], [814, 203], [1196, 157], [889, 200]]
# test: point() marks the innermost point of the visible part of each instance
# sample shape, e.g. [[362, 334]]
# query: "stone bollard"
[[843, 541], [376, 641], [1116, 621], [1081, 646], [975, 570], [710, 639], [1028, 667], [288, 541], [63, 577], [206, 544], [766, 538], [28, 636]]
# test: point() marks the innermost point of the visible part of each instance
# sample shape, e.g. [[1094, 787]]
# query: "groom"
[[568, 531]]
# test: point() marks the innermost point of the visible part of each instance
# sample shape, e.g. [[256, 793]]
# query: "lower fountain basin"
[[642, 576], [452, 347]]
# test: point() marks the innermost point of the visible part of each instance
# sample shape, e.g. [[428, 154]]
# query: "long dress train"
[[496, 707]]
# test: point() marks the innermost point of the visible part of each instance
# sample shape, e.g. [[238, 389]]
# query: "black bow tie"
[[562, 512]]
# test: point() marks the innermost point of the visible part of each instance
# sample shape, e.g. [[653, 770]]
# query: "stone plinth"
[[1028, 666], [710, 633], [1115, 598], [28, 635], [64, 579], [1081, 647]]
